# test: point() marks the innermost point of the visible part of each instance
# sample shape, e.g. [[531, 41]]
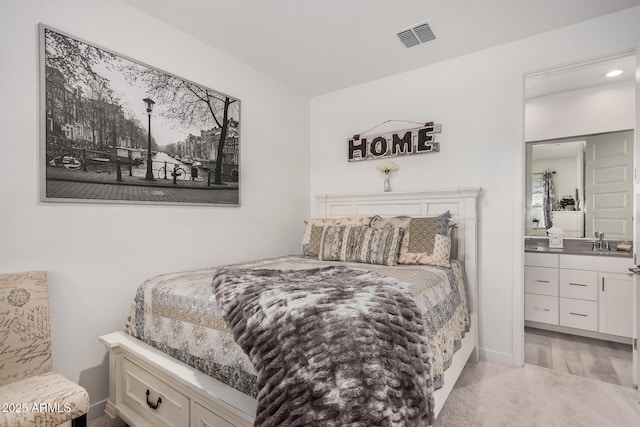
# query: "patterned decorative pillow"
[[376, 246], [313, 231], [336, 242], [427, 241], [360, 244], [394, 222]]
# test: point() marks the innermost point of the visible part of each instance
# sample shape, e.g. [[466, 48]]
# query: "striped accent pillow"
[[360, 244], [313, 231], [376, 246], [336, 242]]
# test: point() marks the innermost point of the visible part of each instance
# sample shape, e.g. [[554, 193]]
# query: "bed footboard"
[[149, 388]]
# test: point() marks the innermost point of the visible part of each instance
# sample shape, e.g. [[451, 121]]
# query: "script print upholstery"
[[26, 377], [25, 333]]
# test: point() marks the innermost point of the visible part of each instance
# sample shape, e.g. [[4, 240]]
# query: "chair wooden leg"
[[81, 421]]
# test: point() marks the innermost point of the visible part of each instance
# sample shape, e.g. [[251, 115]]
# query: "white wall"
[[599, 109], [479, 100], [94, 267]]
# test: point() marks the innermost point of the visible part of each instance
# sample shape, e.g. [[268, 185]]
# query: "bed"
[[178, 362]]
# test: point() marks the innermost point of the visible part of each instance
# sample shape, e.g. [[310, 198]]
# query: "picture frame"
[[101, 111]]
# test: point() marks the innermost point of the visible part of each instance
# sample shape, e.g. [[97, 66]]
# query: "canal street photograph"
[[118, 131]]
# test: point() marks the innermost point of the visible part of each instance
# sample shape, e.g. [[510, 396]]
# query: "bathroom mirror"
[[581, 185]]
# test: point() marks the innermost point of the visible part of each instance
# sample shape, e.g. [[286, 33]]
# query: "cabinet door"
[[615, 304]]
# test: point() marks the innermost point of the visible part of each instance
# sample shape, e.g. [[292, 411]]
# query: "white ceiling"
[[580, 76], [320, 46]]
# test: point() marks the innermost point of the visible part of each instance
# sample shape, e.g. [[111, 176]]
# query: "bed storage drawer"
[[154, 400], [541, 308], [206, 418]]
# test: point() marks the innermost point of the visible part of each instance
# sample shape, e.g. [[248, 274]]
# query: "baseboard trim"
[[579, 332], [97, 409], [496, 356]]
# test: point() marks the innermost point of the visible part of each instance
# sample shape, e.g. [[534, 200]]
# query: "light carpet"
[[490, 394]]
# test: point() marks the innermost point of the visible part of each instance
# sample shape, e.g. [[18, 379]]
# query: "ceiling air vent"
[[420, 33]]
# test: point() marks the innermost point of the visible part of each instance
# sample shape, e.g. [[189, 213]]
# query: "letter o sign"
[[378, 146]]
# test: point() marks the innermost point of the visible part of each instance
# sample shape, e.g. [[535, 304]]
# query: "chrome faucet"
[[600, 244]]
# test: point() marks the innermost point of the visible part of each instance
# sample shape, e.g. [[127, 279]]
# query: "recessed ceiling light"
[[614, 73]]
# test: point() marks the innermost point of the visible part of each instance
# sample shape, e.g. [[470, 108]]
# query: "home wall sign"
[[397, 143]]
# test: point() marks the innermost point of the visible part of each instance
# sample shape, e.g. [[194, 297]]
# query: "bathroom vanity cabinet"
[[587, 295]]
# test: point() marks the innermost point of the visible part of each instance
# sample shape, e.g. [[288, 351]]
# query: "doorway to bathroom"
[[579, 305]]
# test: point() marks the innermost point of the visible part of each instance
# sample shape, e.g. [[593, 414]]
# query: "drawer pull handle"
[[578, 314], [151, 404], [542, 281], [541, 309], [578, 284]]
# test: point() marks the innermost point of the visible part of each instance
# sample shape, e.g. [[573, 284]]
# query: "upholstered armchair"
[[30, 393]]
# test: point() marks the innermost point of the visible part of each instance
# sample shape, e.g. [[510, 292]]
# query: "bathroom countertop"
[[573, 247]]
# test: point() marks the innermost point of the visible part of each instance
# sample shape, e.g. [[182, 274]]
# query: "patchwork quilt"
[[179, 314]]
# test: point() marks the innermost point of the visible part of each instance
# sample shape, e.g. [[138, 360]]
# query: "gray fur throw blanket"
[[332, 346]]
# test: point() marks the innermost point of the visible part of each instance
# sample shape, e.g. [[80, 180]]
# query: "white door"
[[636, 328], [636, 235], [609, 185]]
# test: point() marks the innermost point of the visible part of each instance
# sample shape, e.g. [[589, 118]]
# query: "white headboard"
[[461, 202]]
